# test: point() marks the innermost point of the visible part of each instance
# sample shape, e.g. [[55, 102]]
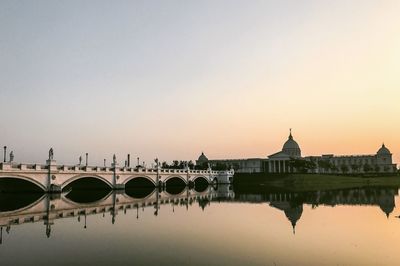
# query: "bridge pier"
[[54, 189], [119, 187]]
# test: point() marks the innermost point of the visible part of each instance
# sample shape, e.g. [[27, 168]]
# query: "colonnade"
[[279, 166]]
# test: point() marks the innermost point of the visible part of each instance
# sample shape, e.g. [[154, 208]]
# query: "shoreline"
[[307, 182]]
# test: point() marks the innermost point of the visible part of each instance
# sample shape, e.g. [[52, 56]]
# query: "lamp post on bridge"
[[87, 158], [187, 173], [5, 153], [158, 172]]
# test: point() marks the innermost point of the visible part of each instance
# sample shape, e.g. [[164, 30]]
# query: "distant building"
[[287, 160], [379, 162], [203, 160]]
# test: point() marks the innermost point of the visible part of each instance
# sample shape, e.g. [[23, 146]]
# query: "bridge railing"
[[78, 168]]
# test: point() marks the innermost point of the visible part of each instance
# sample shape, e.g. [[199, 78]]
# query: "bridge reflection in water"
[[17, 209], [48, 208]]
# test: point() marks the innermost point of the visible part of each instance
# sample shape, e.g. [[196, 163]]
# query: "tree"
[[367, 168], [377, 168], [175, 164], [344, 168], [325, 165], [203, 166], [191, 164], [334, 168], [220, 167], [355, 168], [301, 165]]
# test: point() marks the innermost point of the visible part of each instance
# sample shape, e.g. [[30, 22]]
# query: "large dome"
[[383, 150], [291, 147]]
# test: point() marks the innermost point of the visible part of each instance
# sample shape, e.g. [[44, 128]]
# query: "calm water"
[[219, 226]]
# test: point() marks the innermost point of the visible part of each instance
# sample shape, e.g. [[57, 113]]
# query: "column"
[[279, 166], [284, 166]]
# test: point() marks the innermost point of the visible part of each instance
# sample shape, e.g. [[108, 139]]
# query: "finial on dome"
[[290, 133]]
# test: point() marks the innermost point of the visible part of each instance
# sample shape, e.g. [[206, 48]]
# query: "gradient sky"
[[174, 78]]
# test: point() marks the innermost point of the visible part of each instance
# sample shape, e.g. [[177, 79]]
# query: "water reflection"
[[17, 209], [16, 201], [87, 196], [291, 203], [140, 192], [175, 189], [228, 226], [79, 203]]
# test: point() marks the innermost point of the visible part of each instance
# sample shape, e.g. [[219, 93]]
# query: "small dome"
[[202, 158], [383, 150], [291, 147]]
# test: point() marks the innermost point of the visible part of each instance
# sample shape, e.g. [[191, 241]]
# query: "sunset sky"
[[171, 79]]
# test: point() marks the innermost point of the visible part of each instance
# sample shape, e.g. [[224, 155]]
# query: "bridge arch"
[[200, 183], [175, 177], [144, 177], [175, 185], [69, 181], [200, 177], [26, 178]]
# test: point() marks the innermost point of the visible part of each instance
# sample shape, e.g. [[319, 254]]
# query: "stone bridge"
[[53, 178]]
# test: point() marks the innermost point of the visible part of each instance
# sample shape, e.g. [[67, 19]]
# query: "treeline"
[[306, 166], [178, 164]]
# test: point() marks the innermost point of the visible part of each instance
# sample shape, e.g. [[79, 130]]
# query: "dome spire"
[[290, 133]]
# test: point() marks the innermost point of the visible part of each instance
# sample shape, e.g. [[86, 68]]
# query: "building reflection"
[[291, 203], [293, 213], [50, 208]]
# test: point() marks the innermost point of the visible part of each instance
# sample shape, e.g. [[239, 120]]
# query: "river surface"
[[218, 226]]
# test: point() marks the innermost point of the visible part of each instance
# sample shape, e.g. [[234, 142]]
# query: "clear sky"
[[174, 78]]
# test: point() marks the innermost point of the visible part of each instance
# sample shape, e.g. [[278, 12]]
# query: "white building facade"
[[290, 160]]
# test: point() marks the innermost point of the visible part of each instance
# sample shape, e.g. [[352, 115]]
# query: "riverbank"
[[308, 182]]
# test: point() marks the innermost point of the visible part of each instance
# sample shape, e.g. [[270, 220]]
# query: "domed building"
[[383, 156], [381, 162], [279, 162], [202, 159], [282, 162]]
